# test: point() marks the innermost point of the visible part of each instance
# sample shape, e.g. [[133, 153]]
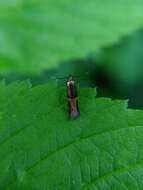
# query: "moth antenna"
[[69, 76]]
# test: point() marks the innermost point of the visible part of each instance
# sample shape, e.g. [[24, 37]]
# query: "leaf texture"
[[41, 149]]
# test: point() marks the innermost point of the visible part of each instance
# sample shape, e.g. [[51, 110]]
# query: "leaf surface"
[[40, 148]]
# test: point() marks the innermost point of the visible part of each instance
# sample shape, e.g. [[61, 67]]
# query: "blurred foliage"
[[44, 39], [40, 34], [116, 71], [124, 61], [122, 65]]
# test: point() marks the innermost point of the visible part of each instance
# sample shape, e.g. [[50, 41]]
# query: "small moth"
[[72, 98]]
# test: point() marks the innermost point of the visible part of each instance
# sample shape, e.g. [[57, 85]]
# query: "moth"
[[72, 98], [72, 95]]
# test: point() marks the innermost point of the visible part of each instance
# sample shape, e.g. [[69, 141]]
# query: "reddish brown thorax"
[[72, 98]]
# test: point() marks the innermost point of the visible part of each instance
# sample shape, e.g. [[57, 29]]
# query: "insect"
[[72, 98]]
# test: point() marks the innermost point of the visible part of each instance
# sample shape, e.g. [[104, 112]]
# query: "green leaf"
[[40, 148], [39, 34]]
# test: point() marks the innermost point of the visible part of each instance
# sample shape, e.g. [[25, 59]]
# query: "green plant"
[[38, 35], [42, 149]]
